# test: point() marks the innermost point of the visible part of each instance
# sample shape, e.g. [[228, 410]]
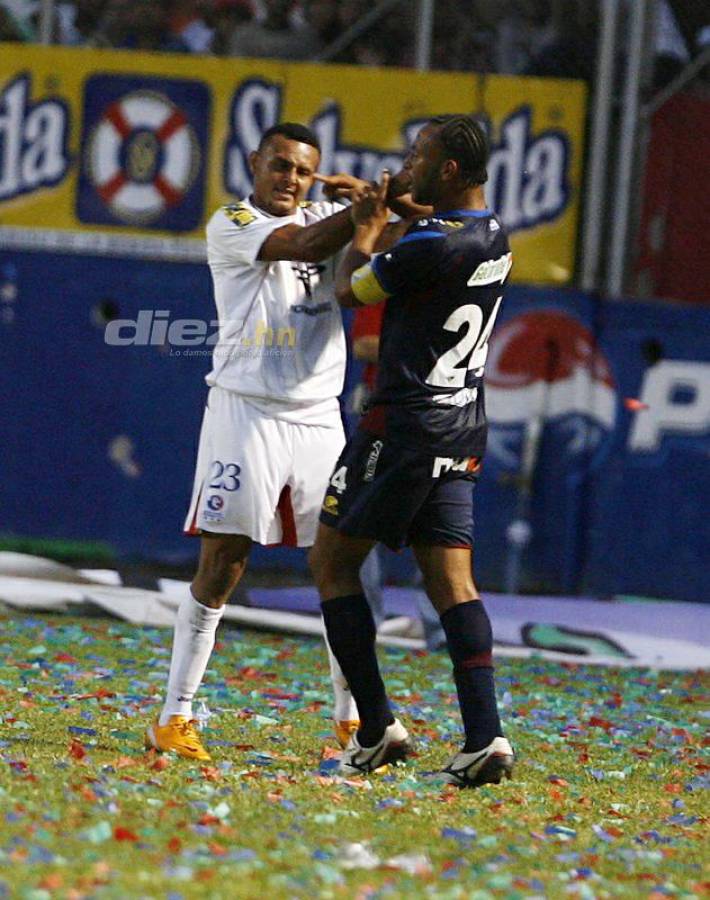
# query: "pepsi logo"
[[547, 363]]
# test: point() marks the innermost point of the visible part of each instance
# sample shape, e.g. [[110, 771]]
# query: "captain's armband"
[[366, 287]]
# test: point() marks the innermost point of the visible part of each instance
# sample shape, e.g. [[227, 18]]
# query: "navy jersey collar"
[[474, 213]]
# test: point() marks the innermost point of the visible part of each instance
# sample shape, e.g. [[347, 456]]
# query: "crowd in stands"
[[508, 36], [513, 37]]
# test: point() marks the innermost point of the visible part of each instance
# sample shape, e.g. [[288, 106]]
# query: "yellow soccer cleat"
[[344, 728], [178, 736]]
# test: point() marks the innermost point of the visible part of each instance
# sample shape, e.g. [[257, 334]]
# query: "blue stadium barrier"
[[99, 441]]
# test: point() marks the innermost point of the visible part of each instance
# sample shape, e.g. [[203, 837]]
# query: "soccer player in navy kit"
[[407, 475]]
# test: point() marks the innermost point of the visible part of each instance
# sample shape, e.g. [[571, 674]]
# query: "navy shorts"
[[389, 493]]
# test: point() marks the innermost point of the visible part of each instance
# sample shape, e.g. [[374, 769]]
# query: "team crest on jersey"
[[309, 275], [143, 151], [240, 214]]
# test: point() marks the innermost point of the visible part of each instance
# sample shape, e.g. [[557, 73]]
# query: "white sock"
[[195, 629], [344, 707]]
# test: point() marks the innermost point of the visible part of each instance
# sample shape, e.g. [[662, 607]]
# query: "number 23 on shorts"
[[223, 476]]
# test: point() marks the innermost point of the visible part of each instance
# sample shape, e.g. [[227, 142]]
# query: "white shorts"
[[261, 476]]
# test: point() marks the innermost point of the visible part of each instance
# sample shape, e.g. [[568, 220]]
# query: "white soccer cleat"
[[358, 760], [487, 766]]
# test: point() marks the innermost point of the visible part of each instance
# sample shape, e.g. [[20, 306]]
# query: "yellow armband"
[[365, 286]]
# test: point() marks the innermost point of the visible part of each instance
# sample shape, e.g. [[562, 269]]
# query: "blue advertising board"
[[645, 520], [611, 401]]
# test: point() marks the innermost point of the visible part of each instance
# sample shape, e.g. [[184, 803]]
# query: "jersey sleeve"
[[320, 209], [408, 266], [235, 234]]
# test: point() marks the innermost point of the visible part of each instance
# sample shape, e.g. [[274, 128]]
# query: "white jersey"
[[281, 341]]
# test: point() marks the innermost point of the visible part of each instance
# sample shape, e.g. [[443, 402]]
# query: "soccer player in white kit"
[[272, 429]]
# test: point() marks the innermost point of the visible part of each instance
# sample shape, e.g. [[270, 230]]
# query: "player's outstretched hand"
[[399, 197], [400, 184], [341, 185], [370, 205]]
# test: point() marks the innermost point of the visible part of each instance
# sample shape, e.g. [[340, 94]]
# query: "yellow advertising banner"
[[122, 152]]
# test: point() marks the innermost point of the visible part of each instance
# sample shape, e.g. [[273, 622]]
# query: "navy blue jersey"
[[444, 282]]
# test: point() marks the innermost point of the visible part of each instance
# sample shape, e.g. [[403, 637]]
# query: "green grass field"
[[607, 798]]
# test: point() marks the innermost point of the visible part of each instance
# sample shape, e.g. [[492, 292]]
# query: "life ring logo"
[[143, 156]]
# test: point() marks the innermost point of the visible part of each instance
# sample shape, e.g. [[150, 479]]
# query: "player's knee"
[[213, 586], [320, 565], [445, 590], [334, 573], [218, 572]]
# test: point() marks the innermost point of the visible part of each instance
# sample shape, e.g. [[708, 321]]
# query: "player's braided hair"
[[294, 132], [465, 141]]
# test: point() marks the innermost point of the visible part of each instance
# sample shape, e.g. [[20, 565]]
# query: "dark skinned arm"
[[399, 200], [314, 243], [399, 197], [391, 233], [344, 186], [309, 243], [370, 214], [405, 207]]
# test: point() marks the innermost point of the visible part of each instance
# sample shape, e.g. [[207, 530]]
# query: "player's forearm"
[[322, 239], [369, 213], [405, 207], [391, 234], [399, 197], [309, 243]]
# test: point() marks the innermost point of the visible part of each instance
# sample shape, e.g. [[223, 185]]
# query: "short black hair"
[[465, 141], [294, 132]]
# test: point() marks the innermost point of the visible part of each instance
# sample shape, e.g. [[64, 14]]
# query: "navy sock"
[[351, 635], [470, 642]]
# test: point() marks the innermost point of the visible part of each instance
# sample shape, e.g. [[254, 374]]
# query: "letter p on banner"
[[677, 395]]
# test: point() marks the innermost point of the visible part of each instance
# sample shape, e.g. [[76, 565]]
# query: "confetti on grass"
[[609, 796]]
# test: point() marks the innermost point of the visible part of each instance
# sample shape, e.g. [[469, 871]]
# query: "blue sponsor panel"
[[143, 152], [551, 401], [647, 526], [100, 427], [99, 441]]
